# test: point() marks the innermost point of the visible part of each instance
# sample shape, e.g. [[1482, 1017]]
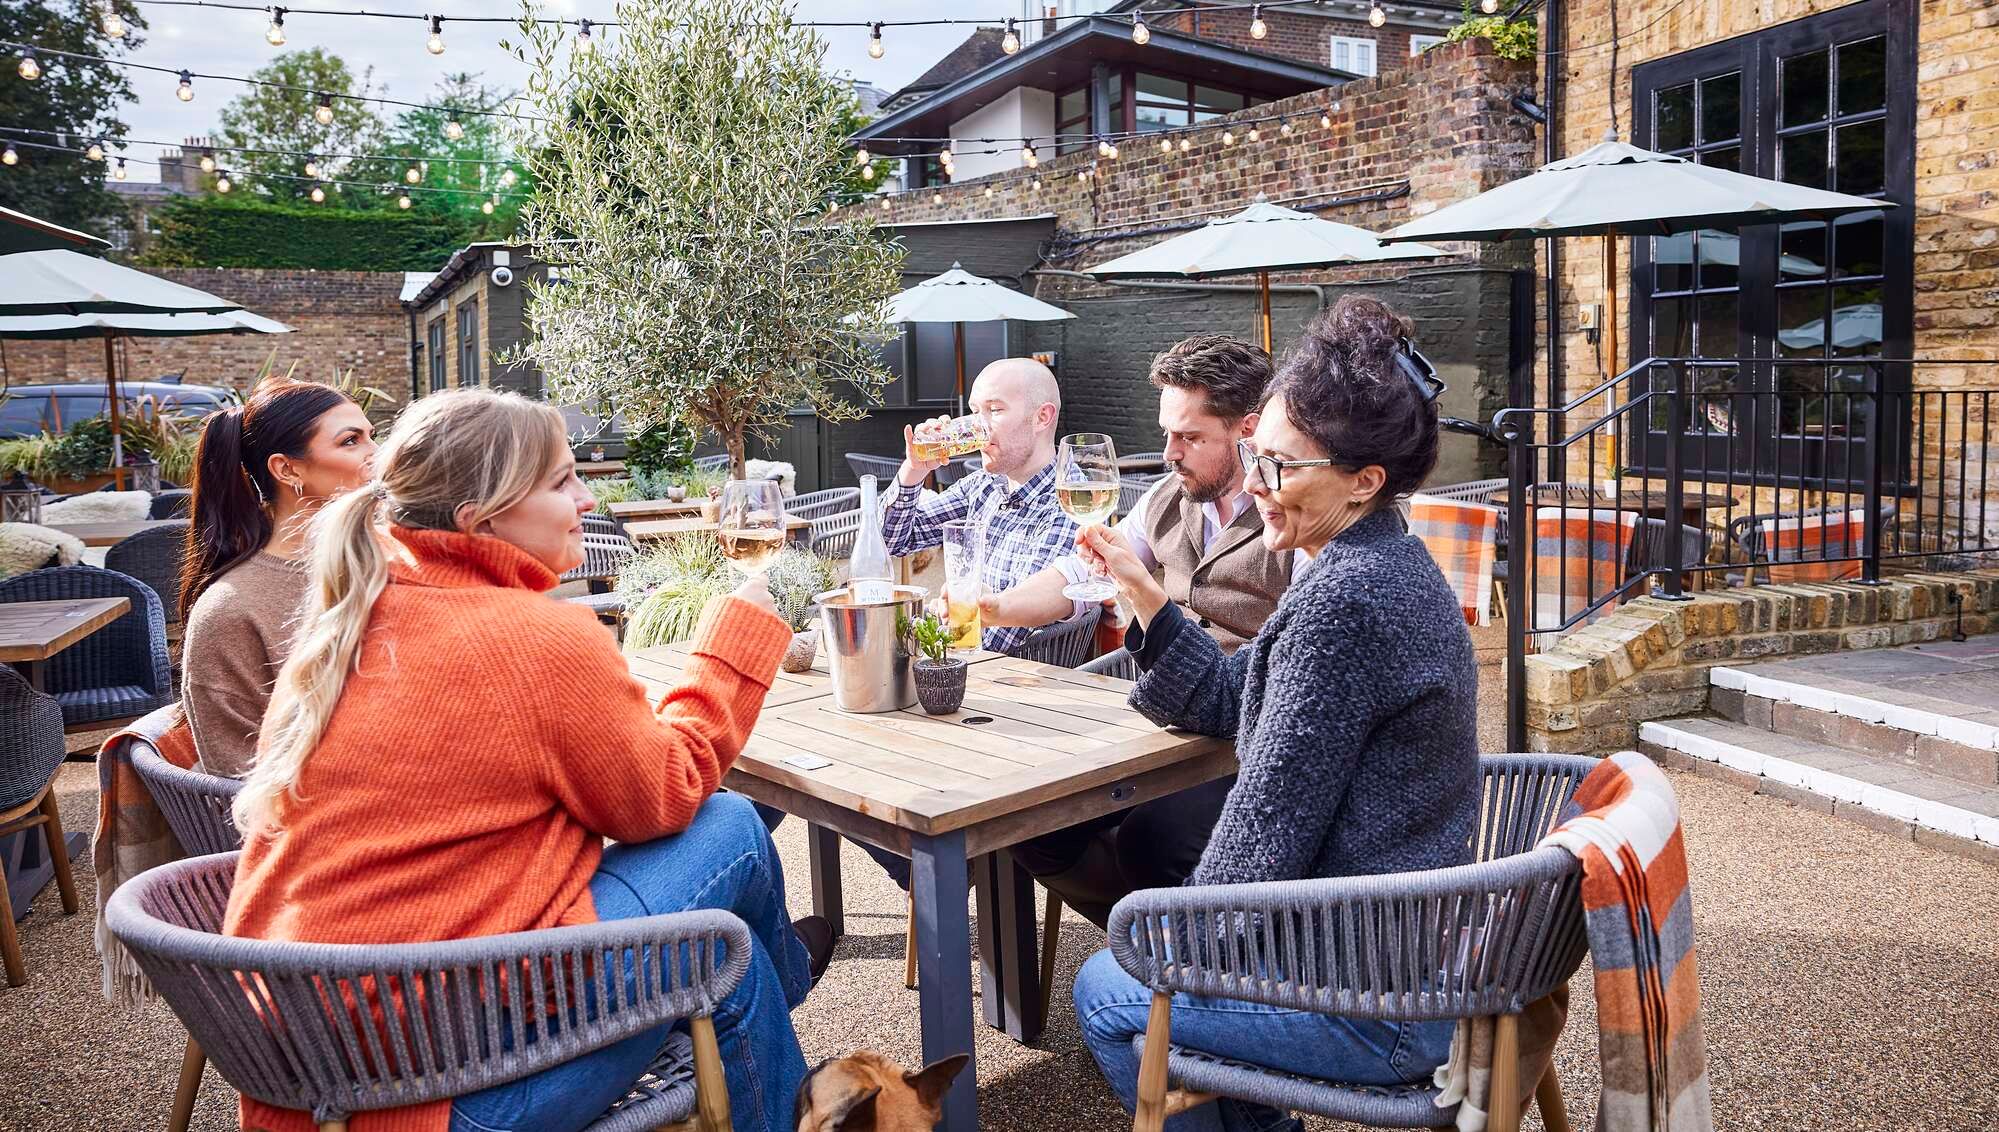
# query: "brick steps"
[[1894, 725]]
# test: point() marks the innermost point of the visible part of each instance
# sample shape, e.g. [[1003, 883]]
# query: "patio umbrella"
[[1613, 189], [20, 232], [65, 282], [1261, 238], [959, 297]]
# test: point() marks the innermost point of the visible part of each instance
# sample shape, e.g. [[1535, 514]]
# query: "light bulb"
[[114, 24], [1029, 158], [1255, 134], [989, 191], [936, 198], [222, 184], [403, 201], [1375, 16], [1257, 28], [120, 172], [435, 44], [1114, 152], [1083, 175], [1010, 43], [412, 175], [867, 172], [861, 156], [1284, 127], [185, 91], [311, 167], [1035, 184], [875, 50], [275, 34], [1488, 6], [9, 157], [884, 204], [1166, 145], [1186, 144], [585, 44], [29, 69], [507, 178], [318, 195], [486, 207], [207, 163], [1326, 120], [1140, 34], [1103, 148], [323, 113], [454, 129], [94, 151], [1228, 137]]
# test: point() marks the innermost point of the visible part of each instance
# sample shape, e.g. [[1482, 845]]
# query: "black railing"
[[1683, 473]]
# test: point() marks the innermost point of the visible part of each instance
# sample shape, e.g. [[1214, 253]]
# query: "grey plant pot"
[[940, 686]]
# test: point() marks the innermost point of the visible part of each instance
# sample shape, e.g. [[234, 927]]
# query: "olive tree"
[[682, 176]]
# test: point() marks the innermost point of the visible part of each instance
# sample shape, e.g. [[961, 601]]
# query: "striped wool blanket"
[[1624, 826], [132, 836]]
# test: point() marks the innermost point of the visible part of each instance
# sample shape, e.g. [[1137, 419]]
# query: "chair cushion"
[[664, 1095], [1377, 1106], [30, 546], [99, 507], [114, 701]]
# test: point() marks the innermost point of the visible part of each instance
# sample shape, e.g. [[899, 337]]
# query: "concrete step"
[[1896, 797], [1899, 726]]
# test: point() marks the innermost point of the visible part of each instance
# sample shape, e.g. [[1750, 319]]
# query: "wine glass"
[[1086, 488], [750, 526]]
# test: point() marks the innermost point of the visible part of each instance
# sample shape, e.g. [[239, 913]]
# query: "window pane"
[[1719, 254], [1160, 88], [1674, 125], [1162, 117], [1721, 108], [1807, 83], [1208, 98], [1672, 260], [1863, 166], [1801, 322], [1857, 245], [936, 360], [1801, 158], [1672, 332], [1856, 321], [1863, 76], [1727, 157], [1114, 97], [1718, 325], [1802, 255], [1072, 105]]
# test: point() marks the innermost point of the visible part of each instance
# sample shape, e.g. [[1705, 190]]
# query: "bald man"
[[1013, 499]]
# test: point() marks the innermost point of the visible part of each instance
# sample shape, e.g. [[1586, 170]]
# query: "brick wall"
[[345, 320], [1300, 36]]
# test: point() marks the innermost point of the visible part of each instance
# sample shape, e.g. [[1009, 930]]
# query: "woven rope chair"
[[154, 557], [601, 525], [469, 1013], [1131, 489], [119, 672], [713, 463], [1483, 939], [604, 557], [171, 503], [958, 469], [883, 468], [1118, 662], [833, 536], [821, 504], [1065, 644], [31, 752]]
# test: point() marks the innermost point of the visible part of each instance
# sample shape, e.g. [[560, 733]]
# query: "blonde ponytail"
[[467, 446]]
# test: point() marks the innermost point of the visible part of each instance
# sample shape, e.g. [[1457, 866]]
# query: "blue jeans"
[[724, 860], [1111, 1007]]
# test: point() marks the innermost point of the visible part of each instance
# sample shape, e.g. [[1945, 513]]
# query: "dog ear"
[[856, 1115], [932, 1080]]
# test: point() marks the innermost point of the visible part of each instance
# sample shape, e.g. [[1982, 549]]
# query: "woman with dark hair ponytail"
[[261, 472]]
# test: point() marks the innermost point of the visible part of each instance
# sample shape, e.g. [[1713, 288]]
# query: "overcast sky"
[[221, 42]]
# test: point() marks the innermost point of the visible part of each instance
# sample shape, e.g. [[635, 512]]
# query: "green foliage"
[[1517, 40], [666, 447], [463, 164], [211, 231], [75, 96], [270, 118], [932, 634], [670, 581], [795, 578], [653, 485], [681, 185], [607, 490]]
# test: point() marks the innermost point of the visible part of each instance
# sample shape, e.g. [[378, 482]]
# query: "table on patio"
[[633, 509], [1035, 749], [1694, 503], [590, 468], [695, 524], [111, 534]]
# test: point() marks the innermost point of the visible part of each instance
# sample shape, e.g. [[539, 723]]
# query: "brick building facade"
[[1307, 35]]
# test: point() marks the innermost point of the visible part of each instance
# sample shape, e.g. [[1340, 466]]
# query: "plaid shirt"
[[1025, 531]]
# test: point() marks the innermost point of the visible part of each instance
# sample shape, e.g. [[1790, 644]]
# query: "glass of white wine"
[[1086, 488], [751, 524]]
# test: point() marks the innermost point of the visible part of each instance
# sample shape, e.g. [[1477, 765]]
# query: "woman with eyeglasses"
[[1353, 710]]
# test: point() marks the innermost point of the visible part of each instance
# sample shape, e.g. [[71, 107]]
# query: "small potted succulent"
[[795, 578], [940, 677]]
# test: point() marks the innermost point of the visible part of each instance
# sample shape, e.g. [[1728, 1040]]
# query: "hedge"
[[212, 231]]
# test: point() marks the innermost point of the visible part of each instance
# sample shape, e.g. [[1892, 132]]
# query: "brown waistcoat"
[[1230, 588]]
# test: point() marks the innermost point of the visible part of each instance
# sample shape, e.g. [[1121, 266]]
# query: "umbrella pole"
[[1263, 286], [958, 350], [1610, 320], [117, 437]]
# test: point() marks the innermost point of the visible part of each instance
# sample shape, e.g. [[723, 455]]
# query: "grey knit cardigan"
[[1354, 712]]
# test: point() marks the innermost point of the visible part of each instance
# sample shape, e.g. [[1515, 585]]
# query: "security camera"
[[502, 276]]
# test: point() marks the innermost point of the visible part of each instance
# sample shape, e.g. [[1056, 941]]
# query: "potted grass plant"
[[795, 578], [940, 677]]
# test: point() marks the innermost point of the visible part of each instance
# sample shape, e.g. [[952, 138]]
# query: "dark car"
[[29, 409]]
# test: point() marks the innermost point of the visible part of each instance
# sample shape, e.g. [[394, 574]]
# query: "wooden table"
[[33, 631], [694, 525], [1034, 749], [111, 534], [1694, 503], [590, 468], [632, 509]]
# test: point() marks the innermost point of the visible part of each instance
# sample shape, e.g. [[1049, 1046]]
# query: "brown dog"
[[866, 1092]]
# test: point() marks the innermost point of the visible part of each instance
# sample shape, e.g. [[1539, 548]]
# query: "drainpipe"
[[1551, 131]]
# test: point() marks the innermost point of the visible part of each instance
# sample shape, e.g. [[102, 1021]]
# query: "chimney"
[[1048, 20]]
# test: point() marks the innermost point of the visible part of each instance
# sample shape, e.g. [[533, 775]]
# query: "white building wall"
[[1023, 112]]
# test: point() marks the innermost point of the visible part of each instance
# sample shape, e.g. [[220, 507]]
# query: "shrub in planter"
[[795, 578], [940, 677]]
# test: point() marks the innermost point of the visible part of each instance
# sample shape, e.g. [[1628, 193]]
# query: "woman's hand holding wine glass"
[[751, 525], [1086, 488]]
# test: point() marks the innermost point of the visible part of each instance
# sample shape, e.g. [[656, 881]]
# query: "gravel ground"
[[1850, 980]]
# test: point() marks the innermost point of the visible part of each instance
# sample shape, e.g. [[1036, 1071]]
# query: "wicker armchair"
[[171, 503], [820, 504], [1482, 939], [1065, 644], [119, 672], [469, 1012], [1118, 662], [604, 557], [31, 752], [713, 463], [833, 536], [154, 557], [883, 468], [958, 469]]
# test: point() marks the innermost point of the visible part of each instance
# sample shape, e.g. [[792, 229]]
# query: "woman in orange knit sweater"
[[447, 748]]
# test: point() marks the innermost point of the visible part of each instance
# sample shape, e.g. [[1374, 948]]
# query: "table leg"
[[1008, 967], [938, 876], [823, 853], [31, 671]]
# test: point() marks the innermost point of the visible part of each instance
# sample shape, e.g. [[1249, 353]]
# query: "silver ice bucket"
[[870, 648]]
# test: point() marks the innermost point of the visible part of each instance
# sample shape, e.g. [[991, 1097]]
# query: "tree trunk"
[[733, 439]]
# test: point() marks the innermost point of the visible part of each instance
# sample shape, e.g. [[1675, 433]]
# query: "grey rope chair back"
[[195, 803], [834, 536], [1117, 662], [154, 557], [822, 504], [31, 741], [99, 671], [1063, 645], [336, 1029]]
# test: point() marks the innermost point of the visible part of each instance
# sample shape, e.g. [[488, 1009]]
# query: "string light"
[[1284, 127], [29, 69], [323, 113], [1103, 148], [1140, 34], [113, 23], [1186, 144], [275, 34], [507, 178], [1257, 28], [989, 192], [208, 163], [1488, 6], [1010, 43], [1375, 16], [94, 151], [311, 167], [1255, 134], [486, 207], [1029, 158], [185, 91], [861, 156], [412, 174], [1035, 184], [868, 172], [1326, 118], [1166, 146], [453, 128], [875, 49], [120, 171], [585, 45], [1228, 137], [222, 184], [9, 157], [936, 198], [435, 44], [403, 201], [318, 195]]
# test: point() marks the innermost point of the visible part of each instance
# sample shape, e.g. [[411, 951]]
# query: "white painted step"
[[1920, 715], [1938, 802]]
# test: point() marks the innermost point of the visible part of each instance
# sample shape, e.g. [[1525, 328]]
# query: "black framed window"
[[434, 348], [1072, 119], [468, 344]]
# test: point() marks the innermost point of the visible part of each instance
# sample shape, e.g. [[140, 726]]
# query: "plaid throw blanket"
[[1624, 826], [1579, 555], [132, 836], [1462, 537], [1810, 540]]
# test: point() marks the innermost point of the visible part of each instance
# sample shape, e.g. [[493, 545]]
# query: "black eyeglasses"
[[1269, 470]]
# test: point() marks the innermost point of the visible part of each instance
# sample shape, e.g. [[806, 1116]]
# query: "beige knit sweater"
[[237, 637]]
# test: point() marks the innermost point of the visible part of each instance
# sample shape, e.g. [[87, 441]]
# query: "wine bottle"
[[868, 573]]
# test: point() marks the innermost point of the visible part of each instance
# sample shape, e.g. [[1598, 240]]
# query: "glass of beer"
[[751, 524], [964, 566], [1086, 488], [946, 440]]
